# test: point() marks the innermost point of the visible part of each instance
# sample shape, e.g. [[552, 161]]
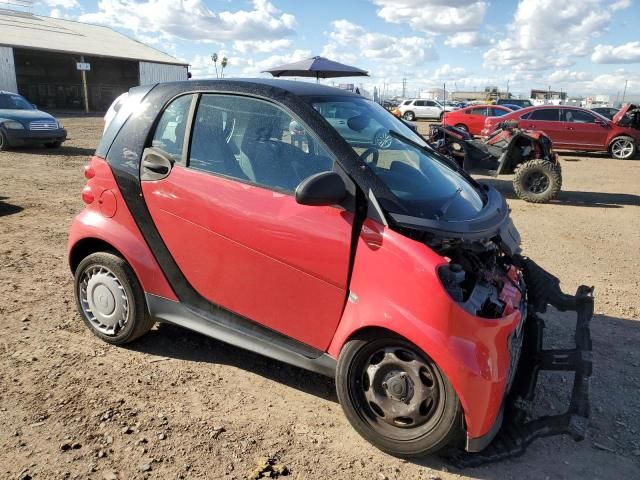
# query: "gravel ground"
[[179, 405]]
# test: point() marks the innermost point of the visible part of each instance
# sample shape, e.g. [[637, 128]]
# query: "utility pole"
[[624, 92], [84, 87], [404, 88], [507, 88], [444, 92]]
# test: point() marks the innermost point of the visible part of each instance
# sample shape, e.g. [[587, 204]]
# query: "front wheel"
[[537, 181], [110, 299], [396, 397], [4, 143], [461, 126], [623, 148], [409, 116]]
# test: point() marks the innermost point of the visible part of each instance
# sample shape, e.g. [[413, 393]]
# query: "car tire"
[[110, 299], [461, 126], [53, 144], [537, 181], [4, 143], [409, 116], [623, 148], [441, 117], [431, 422]]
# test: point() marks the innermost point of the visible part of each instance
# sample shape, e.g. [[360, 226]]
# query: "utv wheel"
[[382, 139], [409, 116], [4, 143], [396, 397], [110, 299], [537, 181], [53, 144], [623, 148]]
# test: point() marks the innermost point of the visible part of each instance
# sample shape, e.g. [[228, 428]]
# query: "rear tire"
[[462, 127], [396, 397], [110, 299], [4, 143], [537, 181], [409, 116], [441, 117], [623, 148]]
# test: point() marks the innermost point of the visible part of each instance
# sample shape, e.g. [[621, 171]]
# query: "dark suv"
[[515, 101], [21, 123]]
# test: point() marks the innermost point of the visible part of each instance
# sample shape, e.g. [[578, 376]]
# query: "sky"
[[584, 47]]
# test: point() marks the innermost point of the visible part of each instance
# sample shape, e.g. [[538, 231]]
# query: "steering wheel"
[[370, 152]]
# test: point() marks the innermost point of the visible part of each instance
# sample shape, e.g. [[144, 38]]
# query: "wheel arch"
[[618, 136], [85, 247]]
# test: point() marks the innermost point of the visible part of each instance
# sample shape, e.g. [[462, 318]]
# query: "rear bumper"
[[514, 429], [21, 138]]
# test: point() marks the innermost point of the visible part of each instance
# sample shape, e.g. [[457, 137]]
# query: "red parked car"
[[471, 119], [386, 267], [574, 128]]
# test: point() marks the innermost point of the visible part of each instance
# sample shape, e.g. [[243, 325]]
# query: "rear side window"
[[578, 116], [254, 141], [545, 114], [482, 111], [497, 112], [170, 131]]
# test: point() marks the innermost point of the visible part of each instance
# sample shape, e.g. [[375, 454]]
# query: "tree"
[[223, 64], [214, 58]]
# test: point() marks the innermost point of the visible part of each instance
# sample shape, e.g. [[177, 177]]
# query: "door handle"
[[155, 167], [570, 128]]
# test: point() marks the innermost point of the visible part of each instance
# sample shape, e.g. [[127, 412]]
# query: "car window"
[[482, 111], [578, 116], [419, 103], [407, 102], [14, 102], [169, 134], [255, 141], [498, 112], [545, 114], [431, 103]]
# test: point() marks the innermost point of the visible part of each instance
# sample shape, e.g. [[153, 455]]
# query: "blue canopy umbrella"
[[318, 67]]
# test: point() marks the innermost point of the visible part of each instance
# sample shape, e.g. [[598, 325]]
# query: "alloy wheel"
[[536, 182], [622, 148]]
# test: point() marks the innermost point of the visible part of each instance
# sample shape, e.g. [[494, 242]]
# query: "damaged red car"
[[574, 128], [388, 268]]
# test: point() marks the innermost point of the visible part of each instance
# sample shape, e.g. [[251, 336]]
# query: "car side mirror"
[[321, 189], [600, 122]]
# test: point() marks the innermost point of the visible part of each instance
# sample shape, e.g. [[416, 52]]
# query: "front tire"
[[110, 299], [4, 143], [537, 181], [623, 148], [396, 397], [409, 116]]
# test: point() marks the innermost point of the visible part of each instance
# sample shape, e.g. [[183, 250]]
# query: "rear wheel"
[[396, 397], [441, 117], [110, 299], [4, 143], [623, 148], [537, 181], [462, 127], [410, 116]]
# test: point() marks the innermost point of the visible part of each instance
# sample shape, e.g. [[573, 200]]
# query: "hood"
[[23, 116], [619, 118]]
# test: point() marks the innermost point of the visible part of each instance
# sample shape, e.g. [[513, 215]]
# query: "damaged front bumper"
[[515, 429]]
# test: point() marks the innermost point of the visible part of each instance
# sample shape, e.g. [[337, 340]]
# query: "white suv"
[[421, 108]]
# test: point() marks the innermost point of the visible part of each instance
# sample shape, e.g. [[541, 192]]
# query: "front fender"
[[395, 286]]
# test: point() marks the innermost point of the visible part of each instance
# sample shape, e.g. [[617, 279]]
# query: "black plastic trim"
[[235, 330]]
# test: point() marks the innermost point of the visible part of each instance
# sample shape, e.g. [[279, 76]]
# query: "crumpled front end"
[[517, 428]]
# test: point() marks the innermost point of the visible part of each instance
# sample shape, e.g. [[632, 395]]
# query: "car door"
[[228, 216], [477, 116], [432, 109], [583, 129], [420, 108], [547, 120]]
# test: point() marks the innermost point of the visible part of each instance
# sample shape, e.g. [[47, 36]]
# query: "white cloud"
[[467, 40], [544, 36], [193, 20], [65, 4], [351, 43], [201, 66], [580, 82], [620, 5], [434, 16], [261, 46], [626, 53]]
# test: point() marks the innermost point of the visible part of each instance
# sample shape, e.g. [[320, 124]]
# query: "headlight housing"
[[13, 125], [59, 124]]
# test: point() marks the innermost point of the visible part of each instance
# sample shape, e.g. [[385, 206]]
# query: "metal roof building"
[[40, 57]]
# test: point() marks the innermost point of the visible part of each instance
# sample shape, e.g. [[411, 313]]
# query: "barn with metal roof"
[[53, 62]]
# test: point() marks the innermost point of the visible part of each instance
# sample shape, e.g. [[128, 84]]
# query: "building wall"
[[158, 72], [7, 70]]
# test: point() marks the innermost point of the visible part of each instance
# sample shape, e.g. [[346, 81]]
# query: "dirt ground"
[[179, 405]]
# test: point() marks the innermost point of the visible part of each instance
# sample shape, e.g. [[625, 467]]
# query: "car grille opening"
[[41, 125]]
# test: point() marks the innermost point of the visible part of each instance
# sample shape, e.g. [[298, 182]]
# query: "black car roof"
[[301, 88]]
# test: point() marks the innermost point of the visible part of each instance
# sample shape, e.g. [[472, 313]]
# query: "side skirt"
[[240, 332]]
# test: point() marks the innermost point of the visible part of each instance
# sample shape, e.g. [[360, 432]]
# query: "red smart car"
[[387, 268], [575, 128], [471, 119]]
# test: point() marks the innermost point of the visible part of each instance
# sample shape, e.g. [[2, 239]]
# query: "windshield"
[[14, 102], [422, 182]]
